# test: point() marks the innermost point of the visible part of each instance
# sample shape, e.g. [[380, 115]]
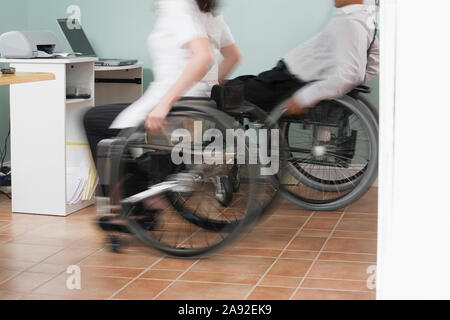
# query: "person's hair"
[[207, 5]]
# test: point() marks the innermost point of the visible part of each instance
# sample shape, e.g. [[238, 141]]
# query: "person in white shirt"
[[341, 57], [184, 44]]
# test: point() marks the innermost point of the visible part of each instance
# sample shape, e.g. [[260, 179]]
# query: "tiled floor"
[[293, 255]]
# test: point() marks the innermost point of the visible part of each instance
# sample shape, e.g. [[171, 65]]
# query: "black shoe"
[[109, 224], [147, 221]]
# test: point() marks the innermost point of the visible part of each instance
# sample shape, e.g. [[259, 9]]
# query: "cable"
[[5, 150]]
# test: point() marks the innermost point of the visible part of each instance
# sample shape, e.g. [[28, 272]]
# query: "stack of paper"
[[82, 176]]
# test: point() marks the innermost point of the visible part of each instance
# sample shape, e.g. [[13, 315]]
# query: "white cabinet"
[[118, 84], [42, 122]]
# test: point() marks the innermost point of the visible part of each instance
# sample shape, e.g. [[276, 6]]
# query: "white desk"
[[20, 77], [43, 121], [118, 84]]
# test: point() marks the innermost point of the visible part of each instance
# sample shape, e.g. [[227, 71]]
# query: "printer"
[[29, 44]]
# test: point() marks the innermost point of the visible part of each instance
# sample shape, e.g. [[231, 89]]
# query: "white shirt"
[[337, 59], [178, 22]]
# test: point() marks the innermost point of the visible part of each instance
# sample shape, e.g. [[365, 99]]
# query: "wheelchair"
[[332, 153], [201, 207], [328, 159]]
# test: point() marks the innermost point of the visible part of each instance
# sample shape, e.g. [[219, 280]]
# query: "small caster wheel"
[[224, 191], [114, 244], [235, 178]]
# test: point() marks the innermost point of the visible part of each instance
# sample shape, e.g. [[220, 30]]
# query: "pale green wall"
[[264, 29], [13, 16]]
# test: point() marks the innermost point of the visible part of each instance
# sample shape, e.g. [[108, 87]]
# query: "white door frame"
[[414, 192]]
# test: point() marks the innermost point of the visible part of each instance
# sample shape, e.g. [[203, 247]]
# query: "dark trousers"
[[270, 88], [97, 122]]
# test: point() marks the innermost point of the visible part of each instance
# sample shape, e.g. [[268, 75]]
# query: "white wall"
[[414, 223]]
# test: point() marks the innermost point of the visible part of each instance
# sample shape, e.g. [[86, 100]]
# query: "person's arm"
[[351, 60], [201, 59], [231, 58]]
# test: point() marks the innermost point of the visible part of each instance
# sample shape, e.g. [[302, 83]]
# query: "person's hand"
[[156, 118], [292, 108]]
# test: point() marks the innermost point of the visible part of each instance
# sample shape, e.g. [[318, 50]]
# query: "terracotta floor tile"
[[142, 290], [39, 240], [351, 245], [15, 265], [280, 281], [346, 285], [308, 294], [357, 225], [304, 255], [330, 215], [307, 243], [49, 268], [261, 231], [62, 230], [205, 291], [96, 241], [340, 270], [7, 274], [290, 268], [292, 212], [15, 229], [174, 264], [161, 274], [258, 242], [6, 295], [236, 265], [220, 277], [109, 259], [4, 238], [321, 223], [355, 235], [367, 204], [92, 271], [361, 216], [284, 222], [314, 233], [271, 293], [26, 252], [25, 282], [70, 256], [351, 257], [42, 297], [91, 287], [237, 251]]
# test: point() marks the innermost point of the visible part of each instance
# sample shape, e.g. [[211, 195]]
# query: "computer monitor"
[[76, 37]]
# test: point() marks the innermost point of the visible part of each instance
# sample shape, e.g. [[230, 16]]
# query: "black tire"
[[223, 232], [344, 194]]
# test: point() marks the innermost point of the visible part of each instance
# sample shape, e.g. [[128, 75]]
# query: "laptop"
[[81, 46]]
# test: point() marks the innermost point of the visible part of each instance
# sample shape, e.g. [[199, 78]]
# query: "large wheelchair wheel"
[[330, 155], [195, 215]]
